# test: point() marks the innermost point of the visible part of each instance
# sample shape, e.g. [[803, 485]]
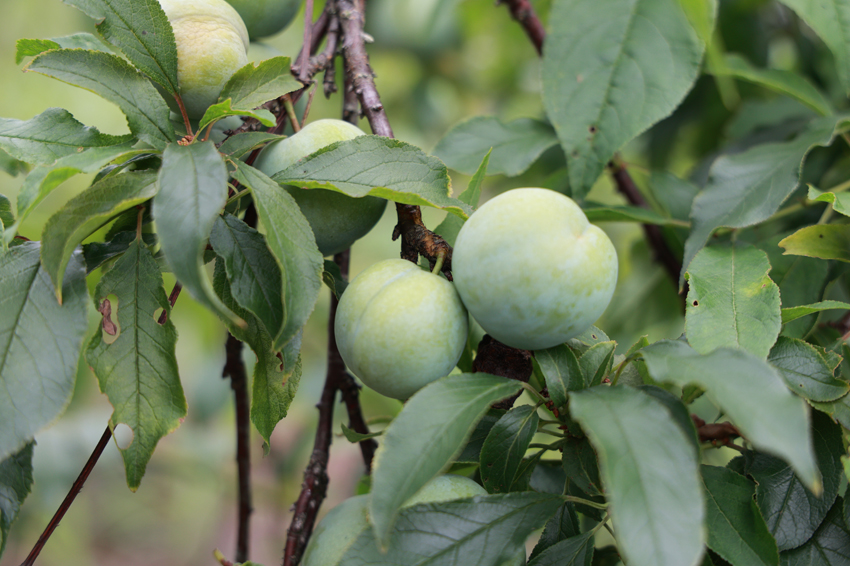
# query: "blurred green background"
[[437, 62]]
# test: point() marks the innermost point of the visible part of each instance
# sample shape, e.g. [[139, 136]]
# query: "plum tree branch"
[[523, 12], [314, 487], [234, 368], [416, 238], [69, 499]]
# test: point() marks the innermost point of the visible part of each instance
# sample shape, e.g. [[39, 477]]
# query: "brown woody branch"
[[524, 13], [498, 359], [716, 433], [314, 487], [416, 238], [663, 254], [234, 368]]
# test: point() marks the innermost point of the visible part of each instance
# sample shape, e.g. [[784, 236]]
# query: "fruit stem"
[[184, 113], [589, 503], [438, 265], [290, 111]]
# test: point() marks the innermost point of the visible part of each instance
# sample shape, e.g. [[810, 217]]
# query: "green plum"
[[212, 44], [532, 270], [337, 220], [344, 523], [266, 17], [398, 328]]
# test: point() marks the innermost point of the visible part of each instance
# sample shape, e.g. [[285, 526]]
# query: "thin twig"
[[172, 298], [234, 368], [308, 37], [663, 254], [524, 13], [69, 499]]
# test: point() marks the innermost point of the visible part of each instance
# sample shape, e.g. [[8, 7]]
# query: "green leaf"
[[98, 253], [35, 388], [140, 29], [805, 371], [292, 242], [788, 83], [824, 241], [133, 357], [801, 281], [562, 526], [778, 423], [51, 135], [610, 213], [736, 528], [333, 278], [42, 180], [603, 84], [732, 302], [838, 410], [355, 437], [791, 511], [505, 447], [840, 201], [678, 410], [562, 372], [472, 450], [250, 87], [830, 19], [32, 47], [450, 227], [650, 473], [596, 362], [747, 188], [10, 165], [430, 431], [251, 269], [488, 529], [574, 551], [6, 216], [243, 144], [276, 374], [513, 147], [377, 166], [87, 212], [830, 545], [115, 80], [581, 465], [15, 485], [193, 190]]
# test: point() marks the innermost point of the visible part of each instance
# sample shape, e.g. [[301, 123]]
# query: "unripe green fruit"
[[212, 44], [337, 220], [344, 523], [532, 270], [398, 328], [266, 17]]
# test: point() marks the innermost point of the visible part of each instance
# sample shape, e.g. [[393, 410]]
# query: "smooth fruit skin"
[[212, 44], [338, 530], [337, 220], [532, 270], [398, 328], [266, 17]]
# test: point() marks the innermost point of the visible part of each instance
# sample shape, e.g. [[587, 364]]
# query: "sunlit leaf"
[[824, 241]]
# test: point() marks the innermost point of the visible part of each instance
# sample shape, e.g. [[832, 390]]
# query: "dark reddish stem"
[[172, 298], [69, 499], [524, 13], [234, 368], [663, 254]]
